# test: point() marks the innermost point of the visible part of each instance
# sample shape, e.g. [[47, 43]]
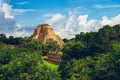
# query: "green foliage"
[[17, 65], [74, 49], [99, 42], [101, 67], [24, 62], [65, 40], [33, 46], [77, 69], [88, 56], [107, 65], [11, 40], [52, 45], [92, 56]]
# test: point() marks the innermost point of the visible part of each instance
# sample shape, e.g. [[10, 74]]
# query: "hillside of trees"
[[24, 62], [92, 55], [88, 56]]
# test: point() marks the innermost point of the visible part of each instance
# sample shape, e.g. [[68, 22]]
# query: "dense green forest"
[[88, 56], [92, 56], [24, 62]]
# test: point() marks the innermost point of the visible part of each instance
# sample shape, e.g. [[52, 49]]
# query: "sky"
[[66, 17]]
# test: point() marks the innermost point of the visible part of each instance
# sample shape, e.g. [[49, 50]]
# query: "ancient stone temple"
[[53, 57], [44, 32]]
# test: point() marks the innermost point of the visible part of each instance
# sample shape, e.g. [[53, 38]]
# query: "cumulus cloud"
[[68, 26], [58, 22], [64, 25], [25, 31], [8, 23], [7, 10], [110, 21], [22, 31], [57, 17]]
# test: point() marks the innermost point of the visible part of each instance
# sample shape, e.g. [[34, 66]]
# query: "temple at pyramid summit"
[[44, 32]]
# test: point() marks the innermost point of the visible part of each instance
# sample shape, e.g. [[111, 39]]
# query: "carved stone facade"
[[54, 57]]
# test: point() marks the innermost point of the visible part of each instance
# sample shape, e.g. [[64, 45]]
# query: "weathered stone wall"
[[54, 57]]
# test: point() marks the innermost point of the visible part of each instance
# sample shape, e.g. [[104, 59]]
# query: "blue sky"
[[67, 17], [42, 7]]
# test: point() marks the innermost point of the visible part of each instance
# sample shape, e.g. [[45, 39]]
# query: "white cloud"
[[7, 10], [58, 22], [22, 33], [67, 27], [8, 24], [110, 21], [22, 3], [83, 19], [7, 21], [72, 19], [57, 17], [23, 10], [24, 30], [107, 6]]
